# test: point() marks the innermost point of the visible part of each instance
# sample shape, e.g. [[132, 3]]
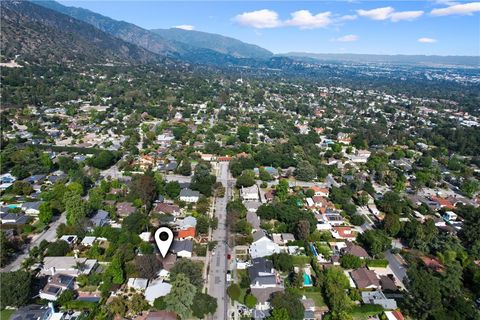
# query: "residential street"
[[216, 285], [48, 235]]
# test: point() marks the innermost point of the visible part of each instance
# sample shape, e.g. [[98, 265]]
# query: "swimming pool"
[[307, 280]]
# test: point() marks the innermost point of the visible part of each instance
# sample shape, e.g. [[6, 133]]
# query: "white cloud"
[[185, 27], [405, 15], [259, 19], [348, 17], [389, 13], [377, 14], [347, 38], [305, 20], [460, 9], [426, 40]]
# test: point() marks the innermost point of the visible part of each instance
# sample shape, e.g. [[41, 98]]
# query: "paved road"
[[217, 286], [48, 235], [396, 265]]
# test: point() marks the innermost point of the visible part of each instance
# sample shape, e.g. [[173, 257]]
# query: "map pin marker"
[[164, 239]]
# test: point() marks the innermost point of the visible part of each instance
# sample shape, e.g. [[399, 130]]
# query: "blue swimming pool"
[[307, 280]]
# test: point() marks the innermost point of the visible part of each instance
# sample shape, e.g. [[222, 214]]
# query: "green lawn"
[[6, 314], [315, 295], [301, 260]]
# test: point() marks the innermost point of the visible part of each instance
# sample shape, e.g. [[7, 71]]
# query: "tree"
[[234, 291], [349, 261], [357, 220], [173, 189], [250, 301], [424, 296], [202, 179], [58, 248], [305, 171], [181, 296], [243, 132], [136, 222], [282, 261], [15, 289], [75, 207], [391, 224], [147, 266], [143, 187], [159, 303], [290, 302], [115, 270], [303, 229], [103, 160], [193, 270], [66, 296], [46, 212], [376, 241], [470, 187], [335, 282], [137, 304], [117, 306], [22, 188], [185, 169], [6, 249], [279, 314], [281, 190], [264, 175], [246, 179], [203, 224], [204, 305]]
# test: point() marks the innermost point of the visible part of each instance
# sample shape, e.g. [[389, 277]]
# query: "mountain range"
[[50, 31]]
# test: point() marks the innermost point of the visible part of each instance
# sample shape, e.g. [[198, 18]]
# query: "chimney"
[[52, 269]]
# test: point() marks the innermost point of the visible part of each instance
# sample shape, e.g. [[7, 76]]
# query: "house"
[[354, 250], [254, 220], [139, 284], [13, 218], [188, 222], [319, 191], [88, 241], [187, 233], [394, 315], [343, 233], [263, 296], [183, 248], [250, 193], [167, 208], [157, 289], [333, 218], [100, 219], [377, 297], [33, 311], [125, 209], [190, 196], [32, 208], [365, 278], [282, 238], [56, 285], [71, 239], [68, 265], [262, 274], [262, 245], [161, 315]]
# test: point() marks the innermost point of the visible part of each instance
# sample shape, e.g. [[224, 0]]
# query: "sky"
[[432, 27]]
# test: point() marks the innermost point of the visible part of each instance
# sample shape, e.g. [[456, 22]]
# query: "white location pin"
[[164, 239]]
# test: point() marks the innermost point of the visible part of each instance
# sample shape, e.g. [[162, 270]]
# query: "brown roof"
[[125, 208], [263, 294], [365, 278], [161, 315], [355, 250], [388, 284], [166, 208]]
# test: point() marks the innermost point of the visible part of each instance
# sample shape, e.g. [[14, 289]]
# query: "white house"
[[56, 285], [182, 249], [190, 196], [156, 290], [250, 193], [262, 245]]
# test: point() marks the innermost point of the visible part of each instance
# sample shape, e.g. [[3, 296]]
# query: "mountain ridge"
[[42, 34]]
